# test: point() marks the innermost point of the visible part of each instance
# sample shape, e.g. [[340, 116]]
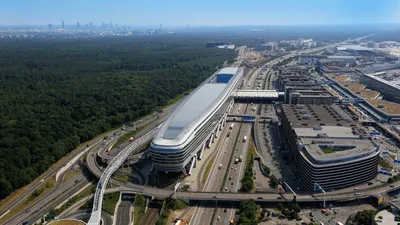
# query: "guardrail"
[[113, 166]]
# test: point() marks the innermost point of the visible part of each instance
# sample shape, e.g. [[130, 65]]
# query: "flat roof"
[[330, 131], [309, 116], [353, 47], [201, 100], [339, 150], [341, 57], [228, 70], [385, 106], [258, 93]]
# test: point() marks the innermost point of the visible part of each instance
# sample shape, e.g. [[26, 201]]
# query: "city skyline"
[[178, 13]]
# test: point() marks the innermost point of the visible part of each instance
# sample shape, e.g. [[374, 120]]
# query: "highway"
[[135, 187], [226, 157], [155, 192], [236, 174], [123, 216], [57, 196]]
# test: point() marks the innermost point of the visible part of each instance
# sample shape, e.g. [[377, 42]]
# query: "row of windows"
[[356, 168], [357, 172], [334, 167], [195, 145]]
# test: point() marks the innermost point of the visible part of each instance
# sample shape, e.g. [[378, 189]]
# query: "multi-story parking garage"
[[194, 124], [328, 147]]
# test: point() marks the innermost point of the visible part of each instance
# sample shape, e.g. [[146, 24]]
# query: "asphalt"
[[124, 216], [43, 205], [235, 171], [85, 215]]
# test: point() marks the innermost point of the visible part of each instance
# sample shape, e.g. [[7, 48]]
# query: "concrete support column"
[[209, 141], [202, 150]]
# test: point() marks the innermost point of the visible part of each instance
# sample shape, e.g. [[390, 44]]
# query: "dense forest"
[[56, 94]]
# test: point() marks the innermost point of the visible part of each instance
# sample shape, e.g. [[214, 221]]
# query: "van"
[[356, 188]]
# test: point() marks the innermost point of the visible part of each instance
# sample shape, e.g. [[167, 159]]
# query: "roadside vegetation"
[[169, 205], [86, 192], [395, 178], [383, 163], [38, 193], [247, 181], [121, 177], [110, 200], [290, 210], [247, 212], [208, 169], [49, 107], [125, 137], [140, 207]]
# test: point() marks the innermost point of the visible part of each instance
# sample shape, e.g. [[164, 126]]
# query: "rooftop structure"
[[317, 97], [390, 90], [326, 144], [353, 48], [386, 106], [185, 133]]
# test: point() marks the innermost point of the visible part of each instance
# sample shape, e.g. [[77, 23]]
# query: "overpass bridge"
[[257, 95], [115, 163]]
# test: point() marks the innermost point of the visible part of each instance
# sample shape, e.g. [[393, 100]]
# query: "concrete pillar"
[[192, 165], [202, 150]]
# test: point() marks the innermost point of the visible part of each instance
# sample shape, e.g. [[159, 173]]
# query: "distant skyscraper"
[[78, 25], [160, 26], [50, 27], [111, 25], [62, 24]]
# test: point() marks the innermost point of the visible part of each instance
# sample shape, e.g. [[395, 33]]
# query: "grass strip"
[[140, 206], [110, 202], [208, 169]]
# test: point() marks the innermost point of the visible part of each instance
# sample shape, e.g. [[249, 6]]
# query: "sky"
[[173, 13]]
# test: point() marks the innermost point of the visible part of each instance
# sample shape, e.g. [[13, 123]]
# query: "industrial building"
[[316, 97], [347, 59], [302, 88], [327, 145], [183, 137], [390, 90]]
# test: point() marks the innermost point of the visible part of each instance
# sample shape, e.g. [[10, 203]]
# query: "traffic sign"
[[248, 118], [385, 153], [386, 169]]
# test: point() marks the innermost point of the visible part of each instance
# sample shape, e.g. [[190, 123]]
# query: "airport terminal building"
[[328, 147], [191, 128]]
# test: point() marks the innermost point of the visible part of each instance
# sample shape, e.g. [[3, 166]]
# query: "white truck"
[[244, 138]]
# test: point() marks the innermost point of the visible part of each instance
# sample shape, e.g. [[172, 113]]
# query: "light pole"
[[319, 188]]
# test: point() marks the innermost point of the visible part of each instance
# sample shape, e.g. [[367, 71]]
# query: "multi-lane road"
[[151, 191], [124, 212]]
